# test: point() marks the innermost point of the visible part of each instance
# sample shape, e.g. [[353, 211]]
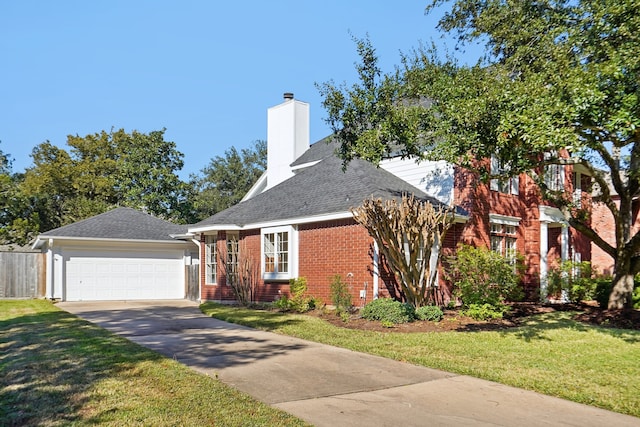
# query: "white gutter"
[[102, 239], [275, 223]]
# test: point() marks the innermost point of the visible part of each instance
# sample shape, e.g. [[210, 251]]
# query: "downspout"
[[49, 272], [376, 269], [197, 243]]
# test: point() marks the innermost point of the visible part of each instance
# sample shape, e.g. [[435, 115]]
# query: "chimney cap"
[[288, 96]]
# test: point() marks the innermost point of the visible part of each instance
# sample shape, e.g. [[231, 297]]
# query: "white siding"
[[434, 178]]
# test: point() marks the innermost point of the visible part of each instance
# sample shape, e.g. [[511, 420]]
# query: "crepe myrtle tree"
[[561, 91], [409, 234]]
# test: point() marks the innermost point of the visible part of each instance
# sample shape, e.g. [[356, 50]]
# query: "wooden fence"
[[22, 275], [192, 274]]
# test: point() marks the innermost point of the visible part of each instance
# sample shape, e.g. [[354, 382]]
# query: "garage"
[[113, 275], [122, 254]]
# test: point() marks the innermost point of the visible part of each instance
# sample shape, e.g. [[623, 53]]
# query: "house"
[[122, 254], [296, 220], [604, 224]]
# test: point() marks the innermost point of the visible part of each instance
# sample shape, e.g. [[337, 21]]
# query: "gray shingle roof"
[[317, 190], [120, 223], [319, 150]]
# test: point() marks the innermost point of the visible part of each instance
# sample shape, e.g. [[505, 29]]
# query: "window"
[[504, 185], [233, 253], [211, 259], [504, 235], [278, 245], [576, 177], [553, 174]]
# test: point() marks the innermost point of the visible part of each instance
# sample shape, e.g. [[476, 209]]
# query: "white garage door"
[[124, 276]]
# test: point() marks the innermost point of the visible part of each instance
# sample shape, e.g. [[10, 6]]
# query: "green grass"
[[56, 369], [550, 353]]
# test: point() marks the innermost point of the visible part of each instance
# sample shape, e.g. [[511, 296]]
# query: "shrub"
[[388, 310], [481, 276], [431, 313], [574, 279], [298, 301], [340, 295], [485, 311]]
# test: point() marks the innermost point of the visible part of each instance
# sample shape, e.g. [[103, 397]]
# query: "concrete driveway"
[[329, 386]]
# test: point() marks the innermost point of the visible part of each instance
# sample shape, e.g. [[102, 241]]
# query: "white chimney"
[[287, 138]]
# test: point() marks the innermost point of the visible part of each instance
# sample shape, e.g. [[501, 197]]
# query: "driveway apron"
[[329, 386]]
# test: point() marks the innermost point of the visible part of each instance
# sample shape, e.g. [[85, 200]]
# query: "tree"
[[104, 170], [225, 180], [19, 217], [409, 235], [561, 90]]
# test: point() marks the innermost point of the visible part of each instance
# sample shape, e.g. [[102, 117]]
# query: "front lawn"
[[56, 369], [549, 353]]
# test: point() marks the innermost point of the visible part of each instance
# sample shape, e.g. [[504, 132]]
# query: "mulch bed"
[[454, 321]]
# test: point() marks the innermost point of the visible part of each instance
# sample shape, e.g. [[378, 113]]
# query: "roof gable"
[[119, 223]]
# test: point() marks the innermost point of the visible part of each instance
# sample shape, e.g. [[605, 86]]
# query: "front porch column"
[[564, 243], [544, 266], [564, 255]]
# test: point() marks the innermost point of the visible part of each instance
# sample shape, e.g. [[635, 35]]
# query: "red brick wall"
[[603, 224], [479, 201], [336, 248]]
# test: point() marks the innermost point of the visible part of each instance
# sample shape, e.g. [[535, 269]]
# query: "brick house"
[[296, 220], [603, 224]]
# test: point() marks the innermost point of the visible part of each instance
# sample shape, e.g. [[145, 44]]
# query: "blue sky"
[[205, 70]]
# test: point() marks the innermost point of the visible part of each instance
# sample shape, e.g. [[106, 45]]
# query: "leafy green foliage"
[[101, 171], [561, 90], [573, 279], [485, 311], [225, 180], [388, 311], [340, 295], [299, 301], [481, 276], [431, 313]]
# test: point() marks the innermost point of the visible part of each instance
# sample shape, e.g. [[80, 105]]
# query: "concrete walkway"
[[329, 386]]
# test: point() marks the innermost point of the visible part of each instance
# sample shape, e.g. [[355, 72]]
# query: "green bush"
[[481, 276], [485, 311], [298, 301], [431, 313], [388, 310], [340, 295], [575, 279]]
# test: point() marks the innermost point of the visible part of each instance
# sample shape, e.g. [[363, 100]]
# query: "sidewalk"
[[329, 386]]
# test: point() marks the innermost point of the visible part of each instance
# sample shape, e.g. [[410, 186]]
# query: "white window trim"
[[554, 174], [504, 219], [207, 252], [293, 253], [504, 237]]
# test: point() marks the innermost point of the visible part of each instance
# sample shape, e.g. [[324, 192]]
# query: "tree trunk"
[[622, 286]]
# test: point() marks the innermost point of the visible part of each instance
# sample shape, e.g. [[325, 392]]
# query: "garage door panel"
[[130, 275]]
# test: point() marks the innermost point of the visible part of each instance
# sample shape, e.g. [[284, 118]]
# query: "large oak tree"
[[104, 170], [559, 84]]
